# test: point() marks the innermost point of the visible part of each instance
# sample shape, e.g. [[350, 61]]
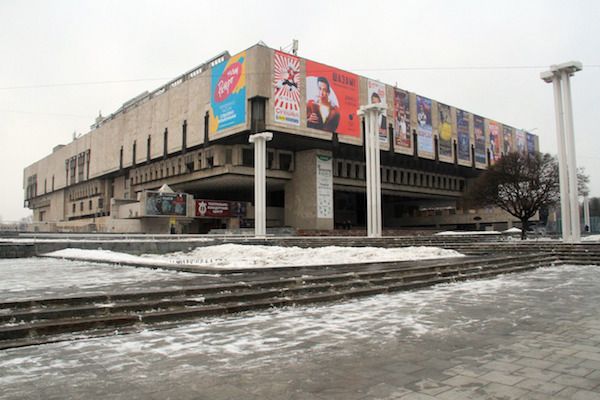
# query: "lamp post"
[[559, 76], [371, 114], [260, 182]]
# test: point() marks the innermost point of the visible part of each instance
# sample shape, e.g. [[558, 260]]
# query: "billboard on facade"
[[402, 131], [479, 134], [507, 139], [164, 204], [520, 141], [445, 133], [228, 93], [424, 128], [286, 88], [376, 95], [324, 186], [495, 148], [219, 208], [331, 100], [530, 143], [463, 138]]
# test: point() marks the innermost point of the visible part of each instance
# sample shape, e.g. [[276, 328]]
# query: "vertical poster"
[[324, 187], [530, 143], [286, 88], [464, 138], [228, 93], [495, 150], [376, 93], [331, 100], [479, 133], [424, 128], [521, 144], [507, 139], [402, 131], [445, 133]]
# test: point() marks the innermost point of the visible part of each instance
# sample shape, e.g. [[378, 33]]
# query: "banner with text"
[[286, 88], [324, 187], [228, 94], [402, 131], [445, 133], [479, 134], [463, 138], [424, 128], [507, 139], [495, 148], [376, 93]]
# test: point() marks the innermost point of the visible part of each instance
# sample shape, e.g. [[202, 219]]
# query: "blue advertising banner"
[[228, 94], [464, 138], [479, 133], [530, 143], [424, 128]]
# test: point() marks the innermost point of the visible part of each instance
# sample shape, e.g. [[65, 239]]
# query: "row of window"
[[84, 191], [90, 205], [357, 170]]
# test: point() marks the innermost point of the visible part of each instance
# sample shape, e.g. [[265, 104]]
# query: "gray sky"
[[48, 44]]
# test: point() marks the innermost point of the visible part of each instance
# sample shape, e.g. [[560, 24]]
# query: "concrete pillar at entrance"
[[260, 182], [309, 195]]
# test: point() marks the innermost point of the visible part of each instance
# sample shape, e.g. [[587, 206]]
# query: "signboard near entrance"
[[324, 187], [218, 209]]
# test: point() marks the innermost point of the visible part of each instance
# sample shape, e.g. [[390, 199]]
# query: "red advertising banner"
[[331, 100], [218, 209]]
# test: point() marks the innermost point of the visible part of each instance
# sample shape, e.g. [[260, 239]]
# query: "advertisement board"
[[479, 134], [324, 187], [228, 94], [219, 208], [331, 100], [520, 141], [402, 131], [463, 138], [507, 139], [530, 143], [495, 148], [286, 88], [376, 95], [445, 133], [424, 128], [165, 204]]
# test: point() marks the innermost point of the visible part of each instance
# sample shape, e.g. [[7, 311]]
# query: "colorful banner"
[[424, 128], [324, 186], [228, 93], [402, 131], [376, 93], [464, 137], [445, 133], [530, 143], [286, 88], [331, 100], [160, 204], [521, 141], [507, 139], [495, 149], [479, 133], [219, 209]]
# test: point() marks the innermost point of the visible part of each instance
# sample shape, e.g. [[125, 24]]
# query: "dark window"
[[258, 115], [340, 167], [165, 144], [133, 150], [270, 158], [348, 170], [90, 205], [357, 171], [148, 144], [184, 136], [210, 161], [189, 166], [248, 157], [81, 206], [73, 207], [285, 161], [80, 167], [45, 185], [228, 156], [101, 203], [206, 118], [53, 183], [121, 158]]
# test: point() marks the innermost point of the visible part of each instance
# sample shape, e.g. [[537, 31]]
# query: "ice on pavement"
[[236, 256]]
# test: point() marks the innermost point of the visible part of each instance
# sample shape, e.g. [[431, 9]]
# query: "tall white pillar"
[[586, 213], [571, 159], [371, 115], [260, 182]]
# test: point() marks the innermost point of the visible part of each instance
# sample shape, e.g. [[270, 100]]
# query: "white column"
[[586, 213], [571, 160], [373, 173], [260, 182], [565, 213]]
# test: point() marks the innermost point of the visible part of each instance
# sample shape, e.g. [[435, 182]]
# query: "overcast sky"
[[63, 61]]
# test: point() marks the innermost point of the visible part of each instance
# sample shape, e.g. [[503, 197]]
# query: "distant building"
[[192, 134]]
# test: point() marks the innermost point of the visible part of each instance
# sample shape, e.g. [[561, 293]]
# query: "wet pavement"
[[533, 335]]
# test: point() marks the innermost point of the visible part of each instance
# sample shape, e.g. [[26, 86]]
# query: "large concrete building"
[[192, 135]]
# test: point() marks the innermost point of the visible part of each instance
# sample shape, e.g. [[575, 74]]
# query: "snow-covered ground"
[[462, 233], [236, 256]]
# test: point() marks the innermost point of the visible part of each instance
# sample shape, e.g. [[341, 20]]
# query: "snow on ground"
[[512, 230], [457, 233], [236, 256], [591, 238], [37, 277]]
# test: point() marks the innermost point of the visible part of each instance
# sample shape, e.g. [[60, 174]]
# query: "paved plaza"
[[533, 335]]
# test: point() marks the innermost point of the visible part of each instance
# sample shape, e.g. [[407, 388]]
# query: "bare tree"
[[520, 184]]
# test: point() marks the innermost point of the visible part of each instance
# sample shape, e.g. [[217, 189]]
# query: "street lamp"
[[559, 76]]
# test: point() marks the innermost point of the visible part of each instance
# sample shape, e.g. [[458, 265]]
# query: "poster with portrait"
[[507, 139], [479, 135], [520, 141], [463, 138], [495, 149], [331, 100], [530, 143], [228, 94], [424, 128], [286, 88], [402, 131], [445, 133], [376, 95]]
